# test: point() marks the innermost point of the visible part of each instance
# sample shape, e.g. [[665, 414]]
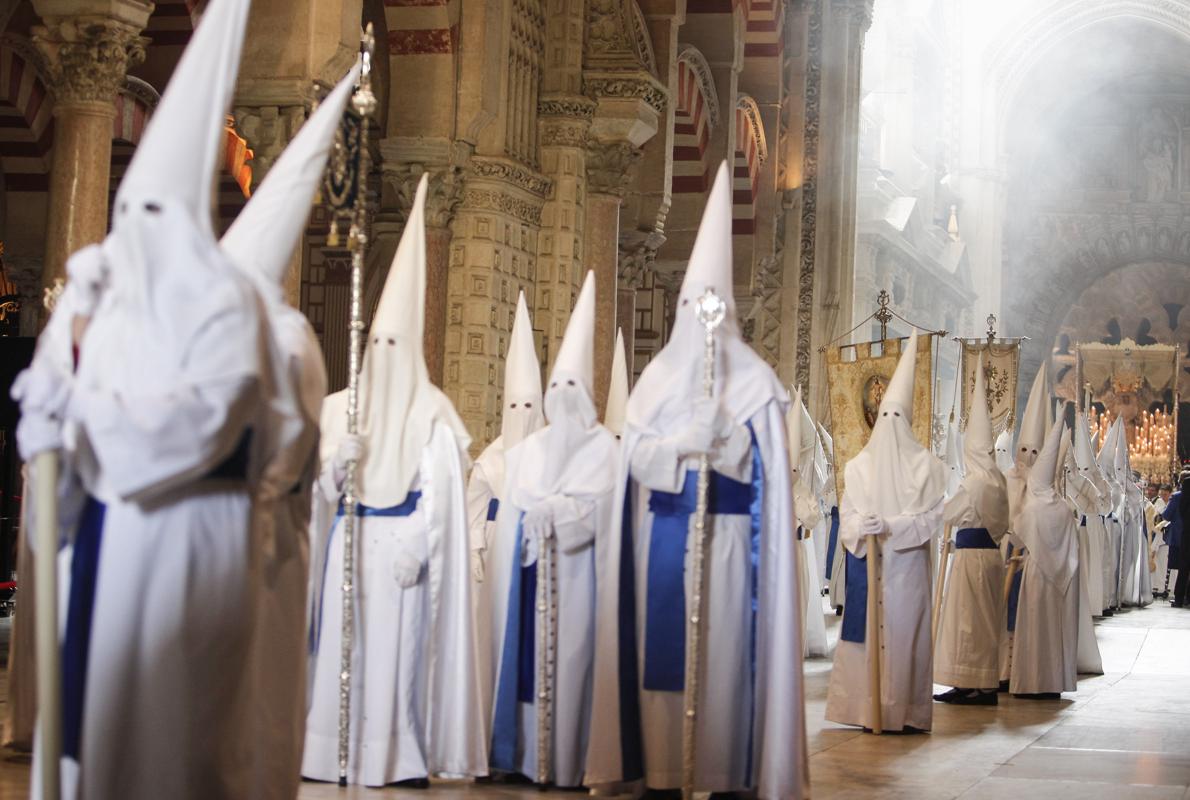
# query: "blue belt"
[[665, 603], [404, 509], [1014, 594], [855, 598], [80, 608], [974, 539], [832, 542], [493, 509]]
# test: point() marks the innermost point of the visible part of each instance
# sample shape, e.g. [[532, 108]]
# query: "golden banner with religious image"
[[857, 379], [1001, 371]]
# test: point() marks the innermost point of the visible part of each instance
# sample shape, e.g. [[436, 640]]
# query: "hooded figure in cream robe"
[[750, 734], [1092, 501], [968, 650], [1075, 490], [807, 487], [522, 415], [1046, 643], [895, 490], [1113, 521], [558, 496], [261, 242], [414, 689], [1135, 587], [173, 414]]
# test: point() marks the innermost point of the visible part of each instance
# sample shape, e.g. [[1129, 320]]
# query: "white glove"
[[350, 449], [872, 525], [43, 393], [407, 569], [705, 427], [88, 273]]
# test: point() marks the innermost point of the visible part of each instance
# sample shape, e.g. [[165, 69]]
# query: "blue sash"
[[493, 509], [855, 598], [665, 601], [1014, 594], [832, 542], [80, 608], [516, 659], [404, 509], [974, 539]]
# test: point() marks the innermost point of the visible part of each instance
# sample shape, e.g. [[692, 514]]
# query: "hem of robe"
[[1040, 687], [892, 717], [661, 781], [968, 677], [320, 762]]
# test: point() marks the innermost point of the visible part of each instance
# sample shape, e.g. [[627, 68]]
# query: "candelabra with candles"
[[1151, 442]]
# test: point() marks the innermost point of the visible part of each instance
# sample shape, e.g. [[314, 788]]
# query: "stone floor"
[[1125, 734]]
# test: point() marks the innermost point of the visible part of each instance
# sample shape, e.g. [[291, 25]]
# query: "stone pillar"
[[89, 47], [609, 173], [402, 163]]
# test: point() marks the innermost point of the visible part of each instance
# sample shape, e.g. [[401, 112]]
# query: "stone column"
[[402, 163], [609, 173], [89, 47]]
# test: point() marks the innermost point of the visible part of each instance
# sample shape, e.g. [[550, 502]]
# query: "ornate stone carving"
[[617, 36], [611, 167], [564, 133], [88, 57], [693, 58], [766, 308], [443, 195], [513, 173], [636, 263], [747, 106], [574, 106], [141, 91], [493, 200], [268, 129], [639, 85], [858, 12], [809, 232]]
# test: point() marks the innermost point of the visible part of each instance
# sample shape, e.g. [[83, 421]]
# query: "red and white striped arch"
[[762, 33], [750, 152], [696, 113], [26, 122]]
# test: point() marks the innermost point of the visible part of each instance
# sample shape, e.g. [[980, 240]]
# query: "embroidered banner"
[[1001, 371]]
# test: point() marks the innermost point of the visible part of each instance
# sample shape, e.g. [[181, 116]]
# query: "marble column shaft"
[[602, 236]]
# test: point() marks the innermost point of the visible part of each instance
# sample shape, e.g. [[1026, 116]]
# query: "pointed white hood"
[[1004, 458], [1033, 425], [524, 409], [982, 478], [1045, 523], [744, 383], [894, 474], [617, 390], [398, 405], [262, 239]]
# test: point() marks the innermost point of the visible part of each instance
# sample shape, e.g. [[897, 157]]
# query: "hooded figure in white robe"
[[895, 490], [617, 390], [1092, 500], [558, 496], [173, 414], [835, 552], [415, 702], [1077, 491], [968, 650], [1046, 643], [807, 485], [1112, 522], [1004, 459], [750, 733], [1135, 587], [261, 241], [522, 415], [1029, 442]]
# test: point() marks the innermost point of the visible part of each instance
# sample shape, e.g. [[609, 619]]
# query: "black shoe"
[[1039, 696], [1003, 687], [662, 794], [1176, 604], [949, 697], [838, 611], [413, 783], [1107, 612], [976, 697]]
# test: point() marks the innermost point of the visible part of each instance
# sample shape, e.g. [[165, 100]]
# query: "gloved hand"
[[407, 569], [351, 448], [872, 525], [43, 393], [88, 272], [708, 424]]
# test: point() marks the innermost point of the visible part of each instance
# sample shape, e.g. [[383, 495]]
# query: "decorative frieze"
[[611, 167], [88, 57], [641, 86], [809, 228], [512, 173]]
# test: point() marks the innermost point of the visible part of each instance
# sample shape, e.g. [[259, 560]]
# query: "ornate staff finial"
[[991, 327], [883, 313]]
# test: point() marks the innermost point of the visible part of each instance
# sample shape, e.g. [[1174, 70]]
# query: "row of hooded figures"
[[200, 504]]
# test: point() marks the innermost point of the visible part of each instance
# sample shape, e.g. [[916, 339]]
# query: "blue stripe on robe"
[[80, 608], [505, 713], [832, 542], [756, 512], [665, 600], [855, 599], [493, 509], [403, 509], [974, 539], [1014, 594]]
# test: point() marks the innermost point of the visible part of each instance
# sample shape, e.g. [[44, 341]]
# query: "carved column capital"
[[858, 12], [268, 130], [564, 120], [443, 194], [611, 166], [638, 256], [88, 57]]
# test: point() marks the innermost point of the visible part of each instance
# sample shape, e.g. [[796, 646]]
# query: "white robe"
[[575, 530], [1045, 647], [734, 712], [414, 692], [1112, 561], [1095, 536], [814, 622], [968, 650], [1088, 658], [484, 486], [906, 673]]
